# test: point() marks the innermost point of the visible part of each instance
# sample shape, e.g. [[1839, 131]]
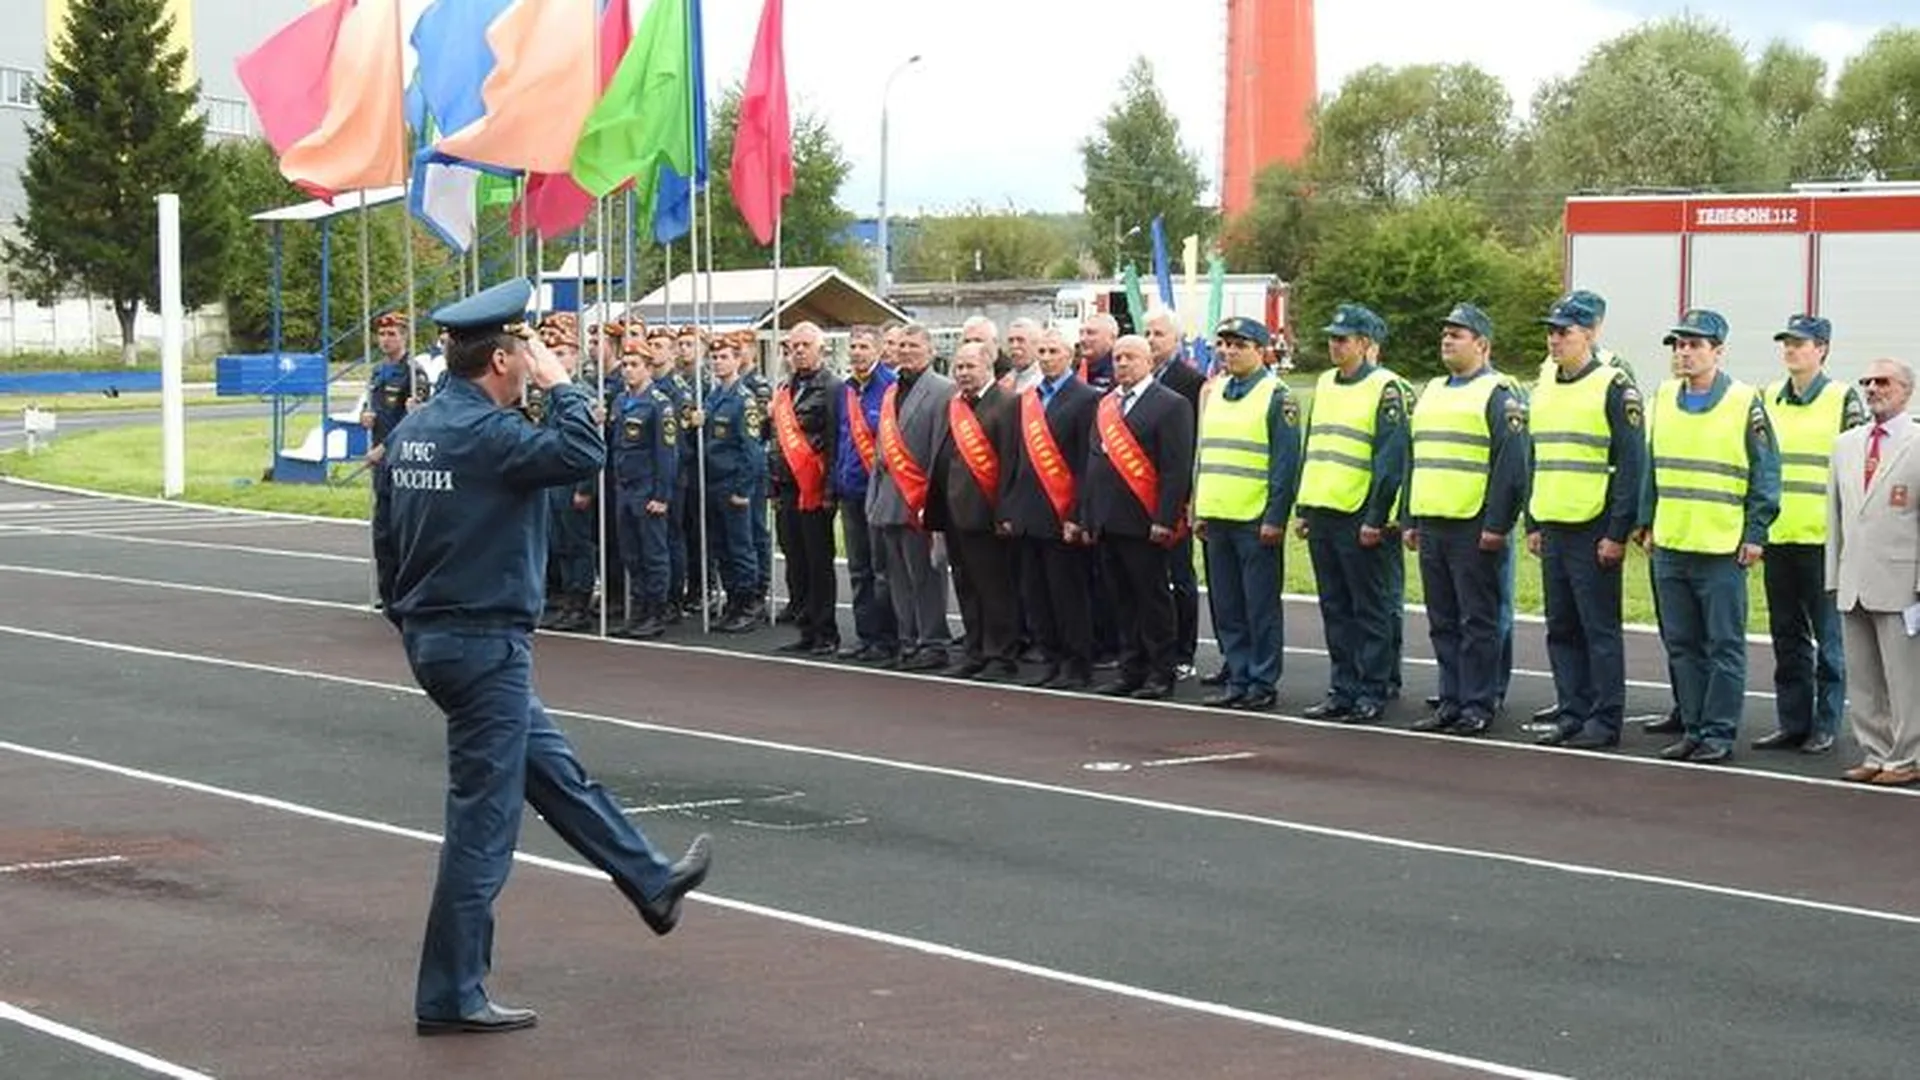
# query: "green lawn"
[[225, 462]]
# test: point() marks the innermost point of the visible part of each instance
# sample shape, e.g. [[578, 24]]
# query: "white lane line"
[[202, 545], [696, 804], [929, 948], [61, 864], [1487, 745], [10, 1011], [1326, 832], [1200, 759]]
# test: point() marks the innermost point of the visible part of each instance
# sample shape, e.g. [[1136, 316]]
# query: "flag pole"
[[773, 356], [366, 361]]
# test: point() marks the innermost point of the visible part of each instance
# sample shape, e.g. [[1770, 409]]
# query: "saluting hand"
[[547, 370]]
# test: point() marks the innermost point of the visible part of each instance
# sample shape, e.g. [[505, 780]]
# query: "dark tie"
[[1873, 451], [1126, 402]]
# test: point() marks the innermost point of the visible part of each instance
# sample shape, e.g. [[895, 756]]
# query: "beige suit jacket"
[[1873, 531]]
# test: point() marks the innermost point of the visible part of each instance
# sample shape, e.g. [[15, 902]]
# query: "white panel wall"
[[1640, 278], [1870, 288], [1756, 281]]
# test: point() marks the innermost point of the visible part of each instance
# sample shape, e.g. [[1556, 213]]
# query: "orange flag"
[[361, 140], [540, 90]]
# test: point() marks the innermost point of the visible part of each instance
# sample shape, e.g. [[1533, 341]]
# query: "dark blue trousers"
[[762, 541], [644, 550], [1186, 601], [730, 541], [1703, 620], [1356, 605], [385, 553], [1583, 630], [1462, 586], [1809, 668], [502, 751], [570, 542], [873, 621], [1243, 582], [677, 541]]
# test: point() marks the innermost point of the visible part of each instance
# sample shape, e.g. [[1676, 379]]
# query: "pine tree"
[[118, 126]]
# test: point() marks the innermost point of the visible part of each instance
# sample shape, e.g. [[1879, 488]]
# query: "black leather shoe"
[[787, 615], [1668, 725], [1432, 700], [662, 913], [1370, 713], [1711, 755], [1559, 736], [1004, 668], [1217, 677], [925, 660], [966, 669], [1119, 687], [1817, 743], [1153, 690], [485, 1020], [1442, 718], [800, 646], [1681, 750], [1779, 740], [1045, 678], [824, 649], [1594, 741], [1330, 709], [1225, 699], [1474, 724], [1547, 715], [1256, 700], [1069, 680]]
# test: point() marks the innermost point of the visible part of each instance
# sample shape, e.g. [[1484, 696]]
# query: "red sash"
[[1043, 453], [862, 431], [808, 467], [907, 474], [1136, 469], [970, 439]]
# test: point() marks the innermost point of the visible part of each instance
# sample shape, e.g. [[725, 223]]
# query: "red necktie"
[[1873, 451]]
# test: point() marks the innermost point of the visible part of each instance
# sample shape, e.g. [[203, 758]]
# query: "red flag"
[[286, 77], [553, 203], [762, 170]]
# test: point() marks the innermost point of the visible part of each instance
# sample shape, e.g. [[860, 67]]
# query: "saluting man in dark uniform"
[[646, 459], [390, 393], [469, 508]]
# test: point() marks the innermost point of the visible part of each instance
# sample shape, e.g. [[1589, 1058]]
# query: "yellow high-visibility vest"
[[1339, 451], [1570, 443], [1805, 435], [1230, 481], [1700, 471], [1452, 448]]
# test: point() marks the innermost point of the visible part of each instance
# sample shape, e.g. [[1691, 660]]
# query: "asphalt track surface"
[[220, 796]]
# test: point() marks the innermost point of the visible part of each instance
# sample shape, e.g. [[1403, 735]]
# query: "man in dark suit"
[[1037, 509], [1174, 373], [983, 430], [801, 464], [1139, 478]]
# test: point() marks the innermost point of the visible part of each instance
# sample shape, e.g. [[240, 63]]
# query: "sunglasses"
[[1876, 381]]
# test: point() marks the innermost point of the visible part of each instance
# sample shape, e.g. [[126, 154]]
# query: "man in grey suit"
[[1873, 570], [913, 424]]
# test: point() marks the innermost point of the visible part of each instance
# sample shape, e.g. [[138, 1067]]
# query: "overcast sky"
[[1007, 89]]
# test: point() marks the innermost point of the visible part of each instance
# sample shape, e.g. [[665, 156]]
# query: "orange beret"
[[396, 320]]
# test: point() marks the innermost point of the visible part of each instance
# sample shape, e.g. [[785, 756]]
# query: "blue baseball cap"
[[492, 308], [1590, 298], [1807, 328], [1239, 326], [1572, 311], [1468, 317], [1700, 323], [1355, 320]]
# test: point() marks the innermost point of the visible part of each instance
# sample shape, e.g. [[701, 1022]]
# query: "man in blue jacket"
[[469, 513]]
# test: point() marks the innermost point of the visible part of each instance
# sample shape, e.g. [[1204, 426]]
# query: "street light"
[[883, 276]]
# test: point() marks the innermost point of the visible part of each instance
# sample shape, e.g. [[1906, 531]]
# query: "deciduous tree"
[[1135, 168]]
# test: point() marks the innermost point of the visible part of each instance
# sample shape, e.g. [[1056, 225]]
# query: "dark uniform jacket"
[[1023, 502], [1162, 422], [644, 436], [736, 456], [388, 389], [469, 506], [957, 502]]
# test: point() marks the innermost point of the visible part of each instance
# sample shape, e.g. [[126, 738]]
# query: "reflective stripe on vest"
[[1452, 448], [1570, 443], [1230, 481], [1339, 457], [1805, 434], [1700, 471]]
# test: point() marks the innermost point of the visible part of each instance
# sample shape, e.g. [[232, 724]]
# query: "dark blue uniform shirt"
[[644, 443], [469, 505], [387, 391], [736, 450]]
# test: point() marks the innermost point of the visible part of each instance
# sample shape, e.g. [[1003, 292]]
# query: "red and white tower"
[[1271, 88]]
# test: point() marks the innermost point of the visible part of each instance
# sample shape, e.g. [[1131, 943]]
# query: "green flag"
[[1136, 303], [645, 119], [497, 190], [1216, 290]]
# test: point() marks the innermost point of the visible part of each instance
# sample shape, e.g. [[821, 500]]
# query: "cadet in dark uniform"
[[573, 556], [754, 383], [646, 467], [390, 393], [469, 509], [659, 357], [736, 470]]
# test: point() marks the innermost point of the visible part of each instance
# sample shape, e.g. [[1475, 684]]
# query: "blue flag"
[[673, 198], [1162, 269], [450, 39]]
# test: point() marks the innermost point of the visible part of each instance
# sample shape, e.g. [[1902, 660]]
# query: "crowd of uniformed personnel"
[[1062, 487]]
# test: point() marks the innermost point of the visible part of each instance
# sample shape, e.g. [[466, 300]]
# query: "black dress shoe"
[[1559, 736], [1370, 713], [1681, 750], [801, 646], [1255, 700], [1667, 725], [1330, 709], [925, 660], [1225, 699], [1711, 755], [966, 669], [1153, 690], [1004, 668], [787, 615], [1069, 680], [1433, 701], [825, 648], [1119, 687], [662, 912], [1779, 740], [1442, 718], [1818, 743], [1592, 741], [1472, 724], [484, 1020], [1547, 715], [1045, 678], [1217, 677]]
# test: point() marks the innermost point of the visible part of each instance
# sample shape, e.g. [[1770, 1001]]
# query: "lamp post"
[[884, 274]]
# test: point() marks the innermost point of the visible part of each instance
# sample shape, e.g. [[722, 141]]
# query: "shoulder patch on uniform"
[[1290, 409], [753, 418], [1516, 414], [1622, 378]]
